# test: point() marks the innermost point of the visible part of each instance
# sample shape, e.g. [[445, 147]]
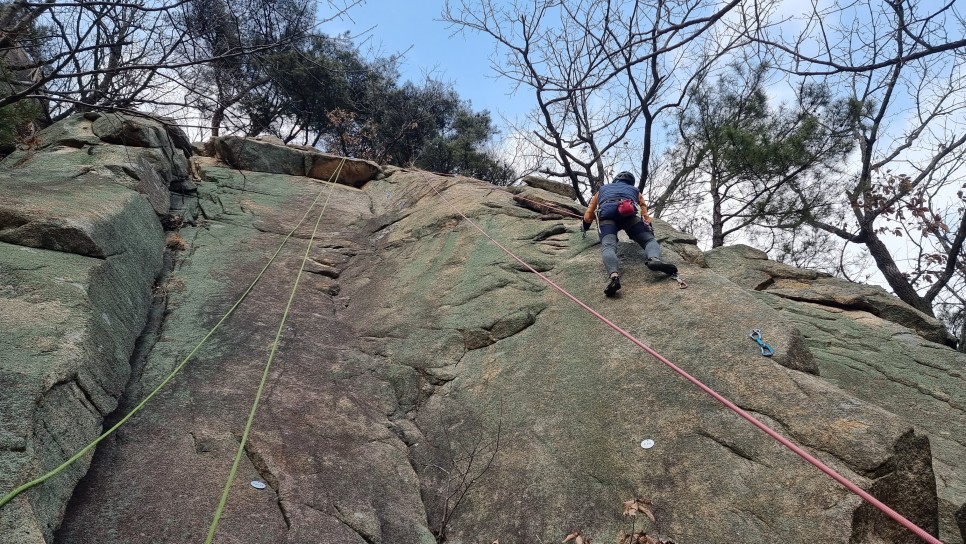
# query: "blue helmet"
[[625, 177]]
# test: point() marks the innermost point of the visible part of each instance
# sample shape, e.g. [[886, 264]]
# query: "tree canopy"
[[252, 67]]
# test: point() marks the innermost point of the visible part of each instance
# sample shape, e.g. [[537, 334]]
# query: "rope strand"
[[271, 356], [86, 449]]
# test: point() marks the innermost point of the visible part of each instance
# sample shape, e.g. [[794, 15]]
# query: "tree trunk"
[[717, 228], [900, 285], [717, 220], [216, 119], [646, 151]]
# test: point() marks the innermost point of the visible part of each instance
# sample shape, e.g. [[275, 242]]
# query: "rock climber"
[[619, 206]]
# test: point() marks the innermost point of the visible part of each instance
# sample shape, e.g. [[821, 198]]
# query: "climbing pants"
[[637, 232]]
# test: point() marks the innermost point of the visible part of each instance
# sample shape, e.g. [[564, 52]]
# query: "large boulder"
[[80, 249], [140, 153], [427, 386], [552, 186], [273, 156], [69, 323]]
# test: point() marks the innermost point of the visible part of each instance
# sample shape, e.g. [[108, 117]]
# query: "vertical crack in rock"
[[961, 520], [153, 327], [265, 473], [258, 461], [285, 514], [85, 398]]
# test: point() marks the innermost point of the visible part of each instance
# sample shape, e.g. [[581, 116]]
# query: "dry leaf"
[[647, 512], [579, 540], [632, 507], [571, 536]]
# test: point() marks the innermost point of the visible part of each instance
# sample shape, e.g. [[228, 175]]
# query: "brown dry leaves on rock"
[[175, 242], [632, 507], [636, 538]]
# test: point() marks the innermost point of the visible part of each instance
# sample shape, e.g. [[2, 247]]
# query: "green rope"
[[13, 494], [261, 385]]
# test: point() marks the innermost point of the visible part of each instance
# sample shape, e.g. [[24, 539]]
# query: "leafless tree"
[[92, 54], [901, 64], [456, 463], [601, 71]]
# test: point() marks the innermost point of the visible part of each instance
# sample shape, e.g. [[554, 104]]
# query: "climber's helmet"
[[625, 177]]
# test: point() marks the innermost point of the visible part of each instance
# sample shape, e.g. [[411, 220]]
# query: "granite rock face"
[[875, 347], [80, 248], [429, 387]]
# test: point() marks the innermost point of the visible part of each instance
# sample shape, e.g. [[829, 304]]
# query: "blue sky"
[[462, 59]]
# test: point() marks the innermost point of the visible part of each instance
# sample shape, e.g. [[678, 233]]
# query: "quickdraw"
[[766, 350], [681, 283]]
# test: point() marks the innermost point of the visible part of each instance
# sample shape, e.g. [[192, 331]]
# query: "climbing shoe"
[[657, 264], [613, 286]]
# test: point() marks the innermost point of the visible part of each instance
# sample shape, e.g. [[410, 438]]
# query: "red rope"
[[784, 441]]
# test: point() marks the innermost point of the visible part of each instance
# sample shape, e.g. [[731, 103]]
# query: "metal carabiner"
[[766, 350]]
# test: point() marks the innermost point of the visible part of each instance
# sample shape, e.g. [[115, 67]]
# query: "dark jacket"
[[614, 192]]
